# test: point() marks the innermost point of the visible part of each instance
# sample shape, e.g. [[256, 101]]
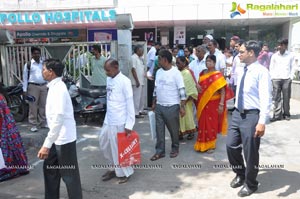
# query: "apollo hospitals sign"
[[57, 17]]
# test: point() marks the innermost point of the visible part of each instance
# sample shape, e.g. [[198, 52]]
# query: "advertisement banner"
[[104, 35], [179, 35]]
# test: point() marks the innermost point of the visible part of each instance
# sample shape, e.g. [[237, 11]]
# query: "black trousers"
[[62, 163], [240, 138], [281, 87], [150, 89]]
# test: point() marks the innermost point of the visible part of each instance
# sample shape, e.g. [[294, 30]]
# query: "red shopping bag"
[[129, 151]]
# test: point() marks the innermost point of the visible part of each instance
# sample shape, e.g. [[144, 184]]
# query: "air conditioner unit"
[[124, 22], [6, 37]]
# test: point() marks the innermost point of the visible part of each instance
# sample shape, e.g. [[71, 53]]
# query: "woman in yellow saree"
[[187, 124], [211, 108]]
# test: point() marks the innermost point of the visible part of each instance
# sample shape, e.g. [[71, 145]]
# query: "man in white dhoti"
[[137, 77], [119, 117]]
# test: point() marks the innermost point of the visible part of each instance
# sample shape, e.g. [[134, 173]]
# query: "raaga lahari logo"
[[266, 9], [236, 10]]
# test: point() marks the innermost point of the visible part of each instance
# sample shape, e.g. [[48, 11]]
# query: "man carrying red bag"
[[120, 117]]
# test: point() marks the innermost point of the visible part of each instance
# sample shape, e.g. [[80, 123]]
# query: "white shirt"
[[35, 75], [281, 66], [151, 59], [197, 67], [168, 83], [138, 65], [257, 90], [120, 108], [59, 114], [237, 69]]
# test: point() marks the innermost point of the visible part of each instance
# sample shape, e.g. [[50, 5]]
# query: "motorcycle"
[[15, 101], [87, 102]]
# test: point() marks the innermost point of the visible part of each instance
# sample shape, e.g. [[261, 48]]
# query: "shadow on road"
[[274, 179]]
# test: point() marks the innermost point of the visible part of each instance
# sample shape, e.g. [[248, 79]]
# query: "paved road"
[[204, 176]]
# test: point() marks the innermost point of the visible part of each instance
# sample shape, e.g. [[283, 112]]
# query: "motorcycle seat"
[[13, 90], [94, 93]]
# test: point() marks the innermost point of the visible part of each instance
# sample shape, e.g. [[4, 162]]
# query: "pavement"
[[193, 174]]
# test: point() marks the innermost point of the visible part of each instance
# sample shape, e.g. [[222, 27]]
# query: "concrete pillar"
[[124, 50]]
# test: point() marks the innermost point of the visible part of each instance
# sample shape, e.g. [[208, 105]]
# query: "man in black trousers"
[[59, 148], [252, 107]]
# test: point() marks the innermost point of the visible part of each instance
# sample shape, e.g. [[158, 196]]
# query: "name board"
[[57, 17], [47, 34], [31, 5]]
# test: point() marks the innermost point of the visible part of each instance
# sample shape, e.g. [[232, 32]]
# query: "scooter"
[[87, 102], [15, 101]]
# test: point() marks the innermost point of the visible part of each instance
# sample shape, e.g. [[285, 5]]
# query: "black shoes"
[[288, 118], [274, 119], [246, 191], [237, 182]]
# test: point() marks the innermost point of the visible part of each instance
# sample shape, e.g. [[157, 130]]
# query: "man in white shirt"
[[281, 70], [168, 103], [151, 57], [207, 39], [137, 77], [221, 59], [119, 118], [35, 85], [237, 66], [59, 148], [198, 65], [252, 107]]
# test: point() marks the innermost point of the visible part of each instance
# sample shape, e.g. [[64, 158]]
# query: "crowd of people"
[[188, 90], [195, 101]]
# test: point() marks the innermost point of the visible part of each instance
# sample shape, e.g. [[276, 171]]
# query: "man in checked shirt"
[[168, 103]]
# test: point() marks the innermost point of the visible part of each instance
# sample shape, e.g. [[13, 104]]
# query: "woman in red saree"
[[11, 145], [211, 107]]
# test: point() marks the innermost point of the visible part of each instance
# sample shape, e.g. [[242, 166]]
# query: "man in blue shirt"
[[252, 107]]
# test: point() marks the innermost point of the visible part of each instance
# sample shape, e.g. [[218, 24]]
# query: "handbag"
[[129, 151], [2, 162], [152, 122]]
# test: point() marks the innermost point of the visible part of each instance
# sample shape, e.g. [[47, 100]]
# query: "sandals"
[[123, 180], [173, 154], [190, 136], [108, 175], [210, 151], [157, 156]]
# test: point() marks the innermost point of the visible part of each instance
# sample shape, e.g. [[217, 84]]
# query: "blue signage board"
[[57, 17], [47, 34]]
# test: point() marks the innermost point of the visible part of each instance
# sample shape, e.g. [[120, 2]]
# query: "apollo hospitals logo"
[[236, 10]]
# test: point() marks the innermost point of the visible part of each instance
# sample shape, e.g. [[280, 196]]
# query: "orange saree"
[[210, 122]]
